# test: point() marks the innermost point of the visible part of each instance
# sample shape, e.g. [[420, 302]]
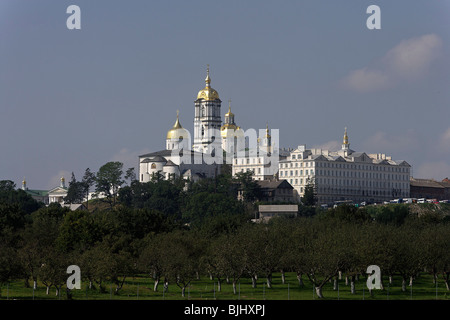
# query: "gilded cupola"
[[177, 131], [208, 93]]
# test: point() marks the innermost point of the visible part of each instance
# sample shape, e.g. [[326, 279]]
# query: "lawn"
[[141, 288]]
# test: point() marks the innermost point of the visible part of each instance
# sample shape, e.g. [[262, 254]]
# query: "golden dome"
[[177, 132], [231, 130], [208, 93]]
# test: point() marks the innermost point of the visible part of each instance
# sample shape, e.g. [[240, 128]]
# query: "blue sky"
[[73, 99]]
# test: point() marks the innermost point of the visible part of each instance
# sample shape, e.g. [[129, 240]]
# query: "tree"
[[53, 269], [131, 175], [204, 207], [261, 245], [75, 192], [310, 195], [88, 181], [78, 232], [323, 258], [230, 258], [251, 191], [7, 185], [8, 195], [109, 180], [10, 267], [408, 252]]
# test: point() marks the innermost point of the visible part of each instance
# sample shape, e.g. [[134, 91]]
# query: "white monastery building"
[[346, 175]]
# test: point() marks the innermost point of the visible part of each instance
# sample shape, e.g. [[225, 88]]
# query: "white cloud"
[[408, 60], [333, 145], [412, 58], [387, 143]]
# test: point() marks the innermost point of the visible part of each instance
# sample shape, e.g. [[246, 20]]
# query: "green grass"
[[141, 288]]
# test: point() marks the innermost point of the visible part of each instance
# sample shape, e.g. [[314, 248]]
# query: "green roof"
[[37, 192]]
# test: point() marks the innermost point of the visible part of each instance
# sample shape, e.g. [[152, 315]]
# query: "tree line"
[[173, 231]]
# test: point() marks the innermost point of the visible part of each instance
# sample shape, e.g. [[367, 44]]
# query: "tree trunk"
[[155, 286], [335, 284], [346, 280], [183, 289], [283, 277], [403, 285], [319, 292], [300, 280], [269, 281], [166, 286], [219, 285], [234, 287], [47, 290], [253, 281], [352, 285]]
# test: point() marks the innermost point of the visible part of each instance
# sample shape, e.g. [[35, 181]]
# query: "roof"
[[428, 183], [167, 153], [41, 193], [274, 184], [170, 163], [58, 190]]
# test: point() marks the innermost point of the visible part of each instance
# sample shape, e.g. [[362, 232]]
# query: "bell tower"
[[207, 118]]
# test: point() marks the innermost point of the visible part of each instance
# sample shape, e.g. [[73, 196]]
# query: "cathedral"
[[212, 144]]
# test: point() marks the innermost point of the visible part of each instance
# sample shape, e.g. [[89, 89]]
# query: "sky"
[[75, 99]]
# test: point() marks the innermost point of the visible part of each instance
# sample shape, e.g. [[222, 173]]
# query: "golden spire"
[[267, 130], [208, 79], [345, 137], [177, 130], [229, 109], [177, 124]]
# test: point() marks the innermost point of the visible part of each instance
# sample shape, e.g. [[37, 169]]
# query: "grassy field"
[[141, 288]]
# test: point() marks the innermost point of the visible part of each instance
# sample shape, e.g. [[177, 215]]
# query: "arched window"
[[153, 166]]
